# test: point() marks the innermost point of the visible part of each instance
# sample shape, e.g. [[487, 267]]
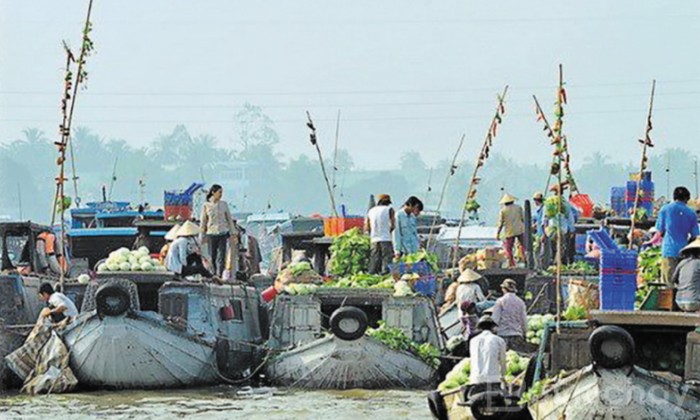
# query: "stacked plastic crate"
[[618, 273], [178, 204], [646, 198]]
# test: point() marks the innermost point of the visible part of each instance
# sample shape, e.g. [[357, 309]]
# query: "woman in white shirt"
[[218, 227], [469, 290]]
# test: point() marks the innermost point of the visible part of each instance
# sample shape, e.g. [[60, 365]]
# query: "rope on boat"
[[562, 416]]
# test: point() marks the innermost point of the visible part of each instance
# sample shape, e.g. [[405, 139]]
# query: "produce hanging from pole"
[[72, 82], [314, 141], [470, 203], [646, 144]]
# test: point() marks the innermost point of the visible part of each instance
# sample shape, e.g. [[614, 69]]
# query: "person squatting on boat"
[[170, 236], [379, 224], [488, 356], [184, 256], [218, 229], [678, 224], [59, 308], [511, 227], [687, 276], [468, 289], [406, 240]]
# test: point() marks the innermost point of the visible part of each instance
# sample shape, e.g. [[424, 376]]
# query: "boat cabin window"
[[15, 251], [174, 305], [148, 296], [237, 305]]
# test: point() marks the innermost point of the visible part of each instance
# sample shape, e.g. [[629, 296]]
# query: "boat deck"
[[647, 318]]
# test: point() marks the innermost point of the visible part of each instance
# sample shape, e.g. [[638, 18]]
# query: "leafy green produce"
[[349, 253], [363, 281], [423, 255], [575, 313], [299, 268], [459, 375], [300, 289], [396, 339], [552, 206], [535, 327], [579, 267]]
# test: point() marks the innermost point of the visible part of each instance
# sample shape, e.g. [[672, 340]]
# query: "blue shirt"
[[537, 220], [678, 223], [406, 233]]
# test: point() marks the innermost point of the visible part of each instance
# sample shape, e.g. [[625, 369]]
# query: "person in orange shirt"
[[49, 253]]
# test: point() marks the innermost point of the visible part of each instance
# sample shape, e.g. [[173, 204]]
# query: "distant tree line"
[[174, 160]]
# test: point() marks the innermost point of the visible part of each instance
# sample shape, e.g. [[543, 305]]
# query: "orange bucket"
[[665, 300]]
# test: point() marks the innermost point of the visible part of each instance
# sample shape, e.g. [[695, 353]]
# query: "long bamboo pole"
[[443, 191], [314, 142], [646, 143], [485, 148], [335, 150], [557, 136]]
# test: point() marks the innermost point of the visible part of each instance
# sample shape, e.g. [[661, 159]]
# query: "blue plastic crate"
[[617, 200], [581, 240], [618, 261], [426, 286], [618, 292], [422, 268], [602, 238]]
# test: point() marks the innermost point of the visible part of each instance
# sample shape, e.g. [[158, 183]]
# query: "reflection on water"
[[219, 403]]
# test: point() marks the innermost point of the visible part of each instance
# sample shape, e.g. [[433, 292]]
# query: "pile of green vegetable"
[[396, 339], [575, 313], [553, 206], [298, 269], [363, 281], [459, 375], [300, 289], [649, 270], [349, 253], [423, 255], [535, 327]]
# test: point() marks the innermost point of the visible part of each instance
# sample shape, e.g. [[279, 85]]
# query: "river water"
[[221, 402]]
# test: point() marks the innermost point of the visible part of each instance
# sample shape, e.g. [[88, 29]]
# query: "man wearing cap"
[[678, 224], [687, 276], [510, 314], [488, 356], [468, 290], [511, 226], [379, 224]]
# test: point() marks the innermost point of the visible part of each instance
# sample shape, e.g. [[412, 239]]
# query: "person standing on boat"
[[511, 226], [488, 356], [406, 240], [678, 224], [542, 244], [687, 276], [510, 313], [184, 256], [218, 228], [379, 224], [60, 307]]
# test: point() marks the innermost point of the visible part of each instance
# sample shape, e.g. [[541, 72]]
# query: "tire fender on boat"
[[612, 347], [436, 403], [112, 300], [348, 323]]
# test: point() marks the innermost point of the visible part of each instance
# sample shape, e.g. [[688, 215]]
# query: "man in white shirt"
[[59, 307], [488, 354], [379, 224]]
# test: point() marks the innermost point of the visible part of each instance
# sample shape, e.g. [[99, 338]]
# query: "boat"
[[613, 387], [318, 341], [19, 286], [146, 330]]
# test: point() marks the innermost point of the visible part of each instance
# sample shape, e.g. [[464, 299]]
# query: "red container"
[[583, 203], [178, 212], [335, 226], [269, 294], [226, 313]]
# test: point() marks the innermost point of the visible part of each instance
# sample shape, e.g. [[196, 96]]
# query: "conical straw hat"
[[188, 229], [468, 276], [693, 245], [507, 198], [172, 233]]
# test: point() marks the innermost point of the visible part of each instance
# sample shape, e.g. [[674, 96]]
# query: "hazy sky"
[[405, 74]]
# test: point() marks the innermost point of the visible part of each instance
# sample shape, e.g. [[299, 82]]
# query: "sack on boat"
[[584, 294], [42, 362]]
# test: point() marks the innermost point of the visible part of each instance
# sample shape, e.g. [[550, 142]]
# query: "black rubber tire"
[[437, 406], [350, 312], [615, 334], [479, 405], [112, 300]]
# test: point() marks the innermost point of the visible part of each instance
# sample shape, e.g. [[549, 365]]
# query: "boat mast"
[[314, 142], [470, 200], [71, 83], [646, 143]]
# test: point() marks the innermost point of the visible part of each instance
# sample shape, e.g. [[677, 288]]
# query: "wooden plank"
[[648, 318]]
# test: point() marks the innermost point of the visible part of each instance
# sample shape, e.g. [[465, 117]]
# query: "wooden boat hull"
[[628, 393], [332, 363], [138, 350]]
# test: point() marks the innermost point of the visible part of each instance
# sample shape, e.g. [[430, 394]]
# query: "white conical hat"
[[172, 233], [188, 229], [507, 198]]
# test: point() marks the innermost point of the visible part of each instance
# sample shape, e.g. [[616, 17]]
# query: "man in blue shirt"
[[406, 239], [541, 241], [678, 224]]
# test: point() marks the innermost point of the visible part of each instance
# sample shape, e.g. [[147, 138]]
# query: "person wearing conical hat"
[[170, 236], [469, 290], [511, 227], [184, 256], [687, 276]]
